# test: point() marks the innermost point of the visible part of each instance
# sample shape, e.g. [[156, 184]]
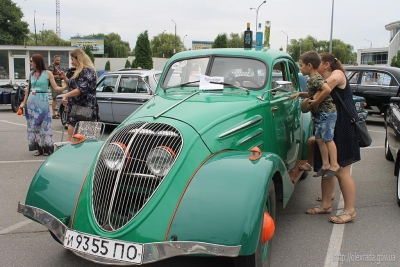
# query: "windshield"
[[244, 72]]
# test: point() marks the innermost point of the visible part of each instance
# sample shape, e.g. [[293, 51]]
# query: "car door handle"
[[107, 98], [274, 108]]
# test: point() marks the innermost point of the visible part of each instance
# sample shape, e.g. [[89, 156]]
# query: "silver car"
[[120, 93]]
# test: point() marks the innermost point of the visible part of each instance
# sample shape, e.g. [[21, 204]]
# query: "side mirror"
[[281, 86]]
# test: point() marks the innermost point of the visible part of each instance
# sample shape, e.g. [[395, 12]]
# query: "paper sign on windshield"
[[205, 83]]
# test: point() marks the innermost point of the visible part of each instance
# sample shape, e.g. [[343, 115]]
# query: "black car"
[[392, 140], [377, 84]]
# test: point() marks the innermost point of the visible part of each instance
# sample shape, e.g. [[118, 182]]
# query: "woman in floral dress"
[[36, 102], [82, 88]]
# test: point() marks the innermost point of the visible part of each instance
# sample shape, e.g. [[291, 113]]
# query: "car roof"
[[133, 71], [395, 71]]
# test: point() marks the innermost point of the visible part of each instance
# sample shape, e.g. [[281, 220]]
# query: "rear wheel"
[[262, 256]]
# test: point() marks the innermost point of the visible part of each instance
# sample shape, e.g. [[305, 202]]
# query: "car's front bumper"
[[151, 251]]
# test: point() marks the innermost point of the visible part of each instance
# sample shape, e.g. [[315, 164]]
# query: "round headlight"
[[160, 160], [114, 156], [15, 86]]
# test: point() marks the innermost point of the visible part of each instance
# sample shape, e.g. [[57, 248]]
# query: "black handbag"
[[364, 139], [80, 113]]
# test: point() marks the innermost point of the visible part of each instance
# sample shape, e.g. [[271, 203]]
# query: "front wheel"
[[15, 103], [63, 113], [262, 256], [398, 188], [388, 154]]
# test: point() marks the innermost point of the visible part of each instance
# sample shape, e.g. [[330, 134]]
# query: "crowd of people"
[[81, 89]]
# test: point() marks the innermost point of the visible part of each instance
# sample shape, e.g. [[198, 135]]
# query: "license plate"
[[103, 247]]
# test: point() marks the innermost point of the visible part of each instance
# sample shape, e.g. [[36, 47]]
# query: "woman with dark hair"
[[82, 88], [348, 149], [36, 103]]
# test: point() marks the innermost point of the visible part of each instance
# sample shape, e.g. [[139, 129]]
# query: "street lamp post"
[[175, 37], [287, 40], [330, 42], [370, 42], [42, 33], [256, 9], [184, 41], [162, 43], [34, 23]]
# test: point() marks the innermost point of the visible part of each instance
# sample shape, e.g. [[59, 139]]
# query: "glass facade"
[[4, 68], [45, 55], [380, 58]]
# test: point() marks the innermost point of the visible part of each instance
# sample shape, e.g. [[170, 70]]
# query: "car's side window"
[[293, 77], [375, 78], [352, 76], [280, 71], [107, 84], [128, 84]]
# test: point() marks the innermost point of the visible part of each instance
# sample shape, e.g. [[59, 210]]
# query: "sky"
[[360, 23]]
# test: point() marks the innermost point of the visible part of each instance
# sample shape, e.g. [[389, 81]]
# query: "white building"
[[382, 55]]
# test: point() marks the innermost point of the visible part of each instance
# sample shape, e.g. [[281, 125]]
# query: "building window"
[[380, 58], [45, 55], [4, 68]]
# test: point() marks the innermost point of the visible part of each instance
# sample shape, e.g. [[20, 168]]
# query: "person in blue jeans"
[[324, 112]]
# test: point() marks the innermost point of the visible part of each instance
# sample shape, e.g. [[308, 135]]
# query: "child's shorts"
[[325, 125]]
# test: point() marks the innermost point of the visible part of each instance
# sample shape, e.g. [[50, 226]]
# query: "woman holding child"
[[348, 149]]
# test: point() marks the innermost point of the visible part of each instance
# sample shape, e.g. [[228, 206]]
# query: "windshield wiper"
[[179, 85], [233, 85]]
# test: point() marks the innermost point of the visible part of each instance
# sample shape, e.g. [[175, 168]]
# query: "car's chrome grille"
[[118, 195]]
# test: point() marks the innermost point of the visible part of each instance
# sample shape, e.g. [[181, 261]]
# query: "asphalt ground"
[[300, 239]]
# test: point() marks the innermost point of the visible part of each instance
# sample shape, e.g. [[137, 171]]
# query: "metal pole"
[[369, 41], [175, 37], [184, 41], [162, 43], [287, 40], [256, 9], [42, 33], [34, 23], [330, 42]]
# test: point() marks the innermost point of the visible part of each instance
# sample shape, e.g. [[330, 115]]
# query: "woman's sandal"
[[338, 219], [56, 116], [319, 210], [304, 167], [37, 153], [319, 199]]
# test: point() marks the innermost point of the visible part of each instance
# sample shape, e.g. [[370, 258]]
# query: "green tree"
[[236, 40], [163, 44], [89, 53], [107, 66], [143, 55], [113, 45], [221, 41], [133, 65], [46, 37], [396, 60], [344, 52], [127, 64], [13, 30]]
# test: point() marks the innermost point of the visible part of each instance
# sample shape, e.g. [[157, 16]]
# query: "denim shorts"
[[325, 125]]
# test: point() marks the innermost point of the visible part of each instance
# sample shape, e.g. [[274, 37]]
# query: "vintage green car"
[[197, 170]]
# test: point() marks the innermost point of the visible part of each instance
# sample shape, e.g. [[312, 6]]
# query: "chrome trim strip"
[[152, 251], [52, 223], [259, 132], [176, 104], [242, 126]]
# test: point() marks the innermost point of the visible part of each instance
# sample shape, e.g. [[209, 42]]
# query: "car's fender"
[[223, 202], [57, 183]]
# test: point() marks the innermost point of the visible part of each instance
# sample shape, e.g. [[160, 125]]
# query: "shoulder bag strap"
[[344, 106]]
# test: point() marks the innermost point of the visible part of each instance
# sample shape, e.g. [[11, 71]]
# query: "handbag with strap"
[[80, 113], [364, 139]]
